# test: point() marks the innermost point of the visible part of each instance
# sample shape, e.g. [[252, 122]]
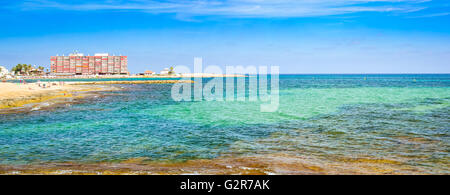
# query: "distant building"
[[165, 71], [3, 71], [78, 64], [148, 73], [36, 71]]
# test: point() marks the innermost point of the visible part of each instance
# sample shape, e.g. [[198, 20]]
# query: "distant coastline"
[[187, 75]]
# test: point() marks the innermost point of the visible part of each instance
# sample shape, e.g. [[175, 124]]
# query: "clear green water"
[[380, 116]]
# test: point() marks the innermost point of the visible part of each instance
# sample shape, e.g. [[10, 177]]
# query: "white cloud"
[[237, 8], [432, 15]]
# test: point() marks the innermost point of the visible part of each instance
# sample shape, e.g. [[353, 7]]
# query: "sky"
[[299, 36]]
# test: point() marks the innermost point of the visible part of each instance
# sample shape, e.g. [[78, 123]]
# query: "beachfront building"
[[3, 71], [149, 73], [79, 64], [164, 72], [37, 71]]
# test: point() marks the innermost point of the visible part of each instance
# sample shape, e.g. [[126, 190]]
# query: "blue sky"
[[300, 36]]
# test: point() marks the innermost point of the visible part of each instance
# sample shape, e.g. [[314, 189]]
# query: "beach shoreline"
[[179, 76], [19, 95]]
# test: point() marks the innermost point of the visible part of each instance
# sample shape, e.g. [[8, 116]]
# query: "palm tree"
[[18, 68], [28, 69], [14, 69], [23, 68], [171, 70]]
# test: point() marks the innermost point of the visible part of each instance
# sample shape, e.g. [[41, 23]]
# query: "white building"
[[165, 71], [3, 71]]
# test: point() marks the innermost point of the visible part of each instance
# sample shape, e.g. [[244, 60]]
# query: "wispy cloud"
[[432, 15], [236, 8]]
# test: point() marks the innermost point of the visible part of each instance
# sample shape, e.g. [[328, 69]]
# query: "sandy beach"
[[19, 90], [14, 95]]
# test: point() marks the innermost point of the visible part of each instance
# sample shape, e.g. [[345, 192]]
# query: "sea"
[[404, 117]]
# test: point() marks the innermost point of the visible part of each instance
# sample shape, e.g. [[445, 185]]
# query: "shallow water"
[[399, 117]]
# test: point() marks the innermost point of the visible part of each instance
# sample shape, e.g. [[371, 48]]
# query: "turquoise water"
[[377, 116]]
